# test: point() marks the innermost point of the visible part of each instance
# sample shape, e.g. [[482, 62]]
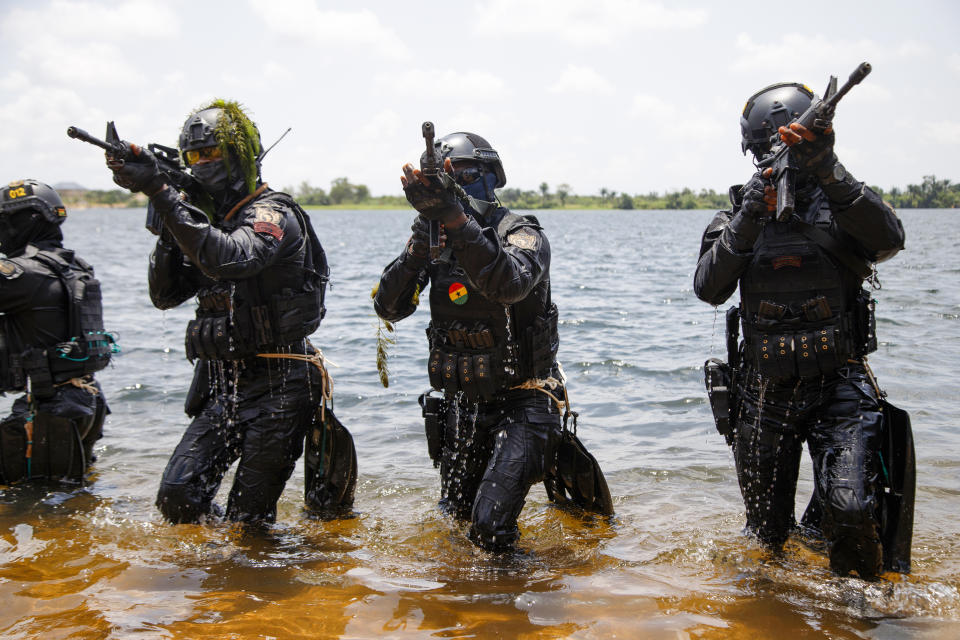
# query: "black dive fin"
[[898, 498], [577, 479], [330, 466]]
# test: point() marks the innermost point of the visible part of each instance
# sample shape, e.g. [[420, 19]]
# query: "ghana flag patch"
[[458, 293]]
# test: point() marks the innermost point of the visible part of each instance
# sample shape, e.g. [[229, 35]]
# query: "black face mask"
[[213, 177], [16, 230]]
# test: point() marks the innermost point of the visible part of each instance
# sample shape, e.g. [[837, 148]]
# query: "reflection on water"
[[98, 562]]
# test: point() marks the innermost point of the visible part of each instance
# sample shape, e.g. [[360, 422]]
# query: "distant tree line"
[[930, 194]]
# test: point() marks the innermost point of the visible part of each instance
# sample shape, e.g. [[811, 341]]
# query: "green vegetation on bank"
[[342, 194]]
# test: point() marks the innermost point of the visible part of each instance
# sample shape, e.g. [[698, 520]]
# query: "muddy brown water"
[[98, 561]]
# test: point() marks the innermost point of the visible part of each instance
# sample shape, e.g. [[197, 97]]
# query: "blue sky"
[[629, 96]]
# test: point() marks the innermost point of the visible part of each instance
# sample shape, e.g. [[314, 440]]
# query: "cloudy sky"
[[627, 95]]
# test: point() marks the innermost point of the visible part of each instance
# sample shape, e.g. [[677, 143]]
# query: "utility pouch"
[[220, 332], [816, 309], [208, 350], [199, 391], [191, 343], [262, 328], [466, 377], [449, 376], [866, 323], [829, 357], [37, 368], [432, 408], [775, 357], [807, 359], [717, 378], [483, 375], [435, 368]]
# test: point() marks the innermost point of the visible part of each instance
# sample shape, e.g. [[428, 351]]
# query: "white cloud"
[[944, 132], [319, 28], [581, 79], [76, 21], [792, 53], [953, 62], [52, 41], [597, 22], [447, 83], [645, 106]]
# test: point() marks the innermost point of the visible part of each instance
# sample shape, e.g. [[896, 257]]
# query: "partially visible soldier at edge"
[[253, 261], [51, 342], [807, 326], [493, 338]]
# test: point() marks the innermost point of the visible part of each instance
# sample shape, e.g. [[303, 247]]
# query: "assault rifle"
[[817, 118], [167, 157], [431, 166]]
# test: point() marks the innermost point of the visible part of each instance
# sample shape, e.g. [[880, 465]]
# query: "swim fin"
[[576, 478], [899, 460], [330, 465]]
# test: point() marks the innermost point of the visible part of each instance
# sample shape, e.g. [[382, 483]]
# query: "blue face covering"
[[482, 189]]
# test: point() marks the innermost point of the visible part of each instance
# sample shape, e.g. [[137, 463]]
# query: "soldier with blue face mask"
[[496, 428]]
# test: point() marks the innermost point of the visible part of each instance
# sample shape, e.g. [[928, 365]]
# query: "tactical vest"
[[804, 314], [86, 351], [278, 307], [482, 347]]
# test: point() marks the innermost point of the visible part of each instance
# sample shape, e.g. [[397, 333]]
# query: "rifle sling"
[[831, 245]]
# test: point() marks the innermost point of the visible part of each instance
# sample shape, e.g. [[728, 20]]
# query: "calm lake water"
[[100, 563]]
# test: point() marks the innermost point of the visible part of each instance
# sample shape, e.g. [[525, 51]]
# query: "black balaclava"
[[20, 228]]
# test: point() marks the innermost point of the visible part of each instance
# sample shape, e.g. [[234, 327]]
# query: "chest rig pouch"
[[482, 348], [804, 311], [260, 315], [89, 347]]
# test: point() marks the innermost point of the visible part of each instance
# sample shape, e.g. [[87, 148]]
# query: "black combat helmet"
[[34, 195], [469, 146], [224, 125], [769, 109]]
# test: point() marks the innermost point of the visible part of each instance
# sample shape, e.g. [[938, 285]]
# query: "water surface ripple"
[[100, 563]]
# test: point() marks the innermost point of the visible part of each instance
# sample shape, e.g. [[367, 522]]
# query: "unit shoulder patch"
[[10, 270], [267, 214], [525, 239]]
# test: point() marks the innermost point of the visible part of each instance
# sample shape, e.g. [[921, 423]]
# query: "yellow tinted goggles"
[[193, 156]]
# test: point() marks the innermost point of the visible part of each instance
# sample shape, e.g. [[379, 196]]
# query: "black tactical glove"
[[418, 246], [813, 151], [437, 200], [137, 170], [758, 199]]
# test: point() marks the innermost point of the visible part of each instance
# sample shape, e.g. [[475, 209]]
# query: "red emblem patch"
[[786, 261], [269, 228]]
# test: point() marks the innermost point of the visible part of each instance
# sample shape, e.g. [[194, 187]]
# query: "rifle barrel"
[[861, 72], [79, 134]]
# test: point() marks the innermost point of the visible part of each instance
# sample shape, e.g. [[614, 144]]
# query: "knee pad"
[[494, 516]]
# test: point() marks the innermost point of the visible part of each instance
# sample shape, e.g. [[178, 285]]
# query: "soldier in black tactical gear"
[[493, 338], [51, 342], [250, 256], [800, 372]]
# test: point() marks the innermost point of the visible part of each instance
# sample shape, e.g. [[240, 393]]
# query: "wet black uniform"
[[67, 419], [257, 278], [807, 323], [493, 327]]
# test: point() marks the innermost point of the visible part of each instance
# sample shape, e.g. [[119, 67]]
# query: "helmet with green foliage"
[[224, 125], [31, 194], [769, 109]]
